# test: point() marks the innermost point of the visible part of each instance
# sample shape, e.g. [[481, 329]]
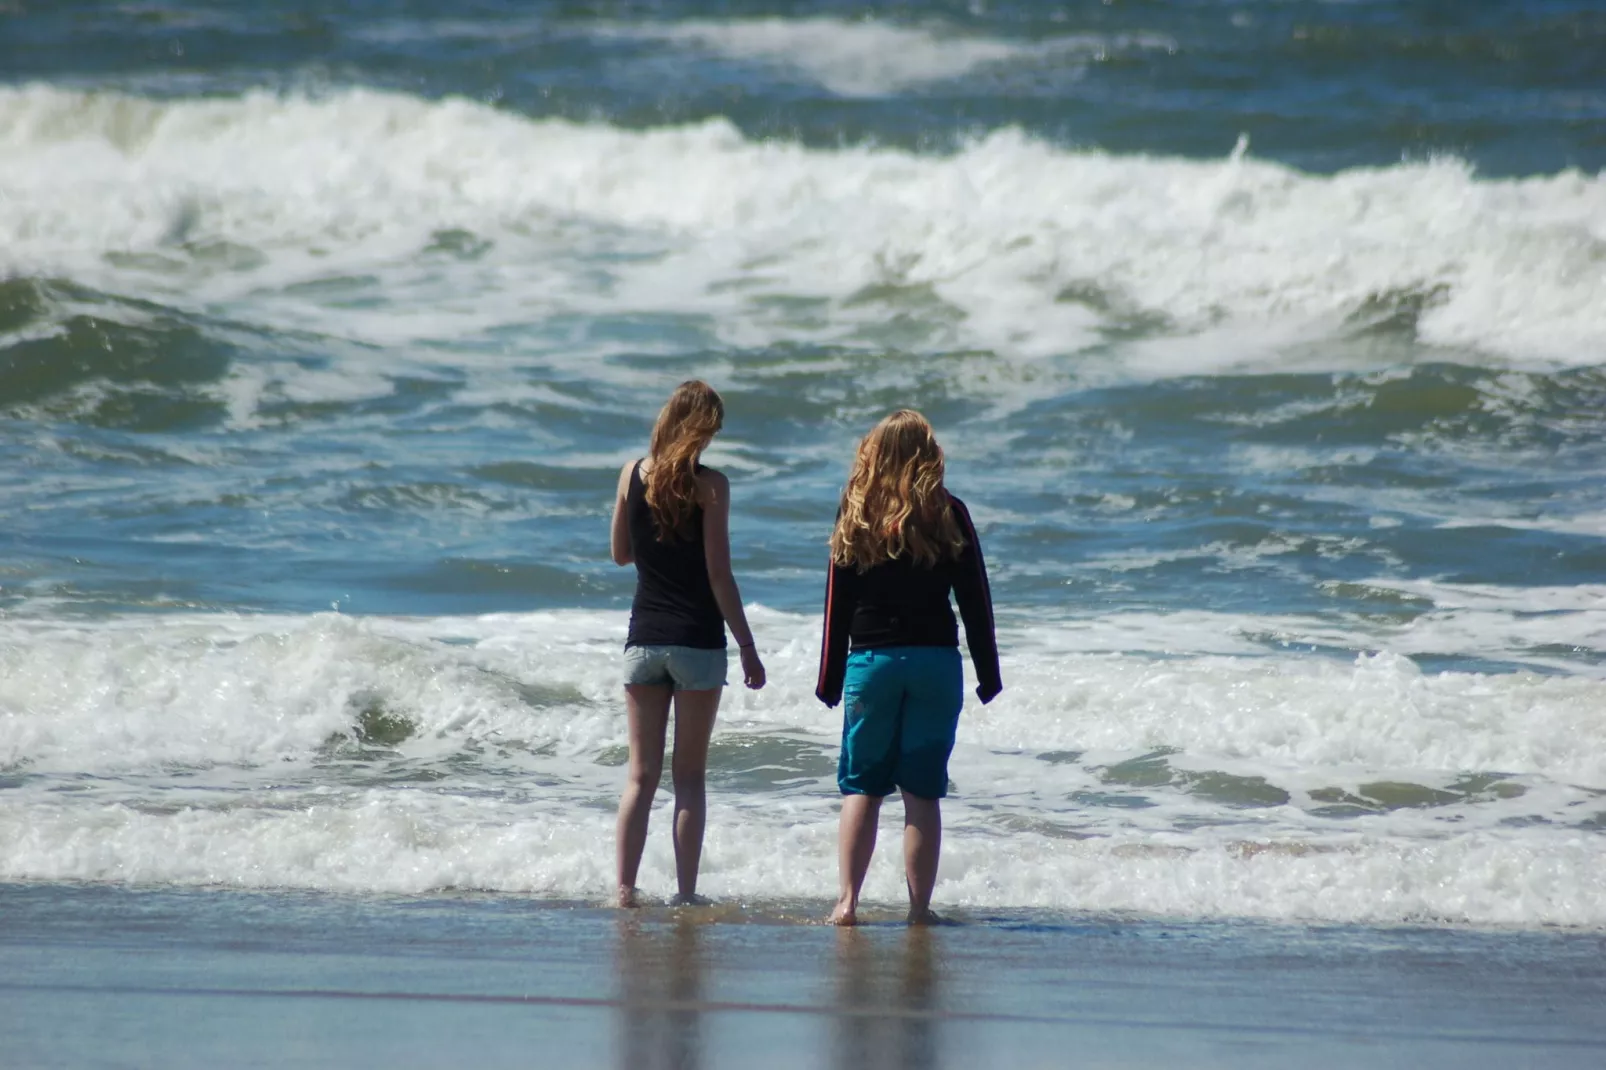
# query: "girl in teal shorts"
[[901, 545]]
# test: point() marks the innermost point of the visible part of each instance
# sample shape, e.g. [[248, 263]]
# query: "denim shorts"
[[899, 715], [684, 668]]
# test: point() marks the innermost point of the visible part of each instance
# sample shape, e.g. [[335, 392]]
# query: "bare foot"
[[627, 898], [846, 913], [926, 917], [692, 900]]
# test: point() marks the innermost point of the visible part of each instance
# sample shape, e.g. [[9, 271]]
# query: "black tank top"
[[674, 603]]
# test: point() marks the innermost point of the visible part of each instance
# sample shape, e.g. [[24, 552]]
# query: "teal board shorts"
[[900, 712]]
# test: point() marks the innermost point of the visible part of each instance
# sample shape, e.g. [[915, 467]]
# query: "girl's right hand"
[[752, 668]]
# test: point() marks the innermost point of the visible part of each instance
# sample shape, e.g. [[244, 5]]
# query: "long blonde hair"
[[688, 421], [894, 502]]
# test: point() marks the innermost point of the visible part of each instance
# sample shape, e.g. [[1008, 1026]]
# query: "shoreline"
[[792, 911], [188, 977]]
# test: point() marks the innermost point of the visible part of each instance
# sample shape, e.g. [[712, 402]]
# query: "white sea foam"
[[322, 213], [867, 58], [1583, 524], [204, 690], [1590, 597], [422, 842], [855, 59], [225, 750]]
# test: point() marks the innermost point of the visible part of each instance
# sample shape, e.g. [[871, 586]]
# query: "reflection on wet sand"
[[661, 999], [882, 1008], [888, 1000]]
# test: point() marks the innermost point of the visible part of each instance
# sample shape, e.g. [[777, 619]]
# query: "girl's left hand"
[[752, 668]]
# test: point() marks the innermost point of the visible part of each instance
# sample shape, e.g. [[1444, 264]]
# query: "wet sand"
[[107, 976]]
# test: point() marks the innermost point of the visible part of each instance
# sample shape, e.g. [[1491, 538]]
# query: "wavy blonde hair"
[[894, 502], [688, 421]]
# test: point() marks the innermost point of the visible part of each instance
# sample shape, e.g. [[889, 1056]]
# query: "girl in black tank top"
[[671, 520], [674, 603]]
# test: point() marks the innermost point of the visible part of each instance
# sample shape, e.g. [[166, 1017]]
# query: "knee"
[[689, 775], [644, 778], [921, 810], [689, 783]]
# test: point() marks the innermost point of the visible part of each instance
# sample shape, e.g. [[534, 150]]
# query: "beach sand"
[[111, 976]]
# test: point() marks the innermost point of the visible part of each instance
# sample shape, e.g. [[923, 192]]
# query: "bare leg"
[[855, 846], [648, 708], [922, 844], [694, 724]]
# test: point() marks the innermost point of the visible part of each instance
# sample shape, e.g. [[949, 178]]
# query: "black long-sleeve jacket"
[[899, 603]]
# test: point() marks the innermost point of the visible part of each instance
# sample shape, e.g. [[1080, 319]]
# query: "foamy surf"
[[393, 219], [422, 754], [129, 693], [429, 842]]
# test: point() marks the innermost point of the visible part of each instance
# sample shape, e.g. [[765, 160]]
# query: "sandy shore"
[[95, 976]]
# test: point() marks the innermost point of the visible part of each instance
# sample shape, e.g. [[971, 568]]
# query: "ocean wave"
[[425, 754], [137, 368], [1010, 245], [207, 690], [429, 842]]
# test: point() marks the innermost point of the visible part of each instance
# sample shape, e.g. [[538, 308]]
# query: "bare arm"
[[619, 538], [713, 494]]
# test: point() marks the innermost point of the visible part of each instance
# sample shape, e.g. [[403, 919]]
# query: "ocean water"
[[1267, 341]]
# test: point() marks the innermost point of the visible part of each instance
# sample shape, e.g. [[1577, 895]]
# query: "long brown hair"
[[688, 421], [894, 502]]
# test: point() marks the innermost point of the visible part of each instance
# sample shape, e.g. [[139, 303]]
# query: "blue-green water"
[[1267, 342]]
